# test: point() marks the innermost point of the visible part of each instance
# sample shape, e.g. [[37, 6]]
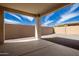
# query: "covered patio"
[[61, 41], [34, 10]]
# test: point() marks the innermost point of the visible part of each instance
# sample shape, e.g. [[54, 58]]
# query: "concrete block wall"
[[67, 30], [20, 31], [46, 30]]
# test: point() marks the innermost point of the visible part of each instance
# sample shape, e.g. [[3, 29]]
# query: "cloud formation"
[[28, 17], [11, 21], [47, 22]]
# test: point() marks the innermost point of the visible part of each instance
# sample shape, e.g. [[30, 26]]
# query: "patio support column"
[[37, 28], [1, 26]]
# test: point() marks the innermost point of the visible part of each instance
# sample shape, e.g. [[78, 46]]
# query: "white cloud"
[[69, 14], [28, 17], [74, 6], [67, 17], [16, 16], [72, 22], [48, 16], [8, 21], [47, 22]]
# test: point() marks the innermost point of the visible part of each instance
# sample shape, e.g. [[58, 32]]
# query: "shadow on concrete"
[[64, 41]]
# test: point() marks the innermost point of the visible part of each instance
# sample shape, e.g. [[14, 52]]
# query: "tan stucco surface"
[[67, 30]]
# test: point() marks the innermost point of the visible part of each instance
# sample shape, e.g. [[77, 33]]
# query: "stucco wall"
[[1, 27], [73, 30], [20, 31], [67, 30], [59, 30]]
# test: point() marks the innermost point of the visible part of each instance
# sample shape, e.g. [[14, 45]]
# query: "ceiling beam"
[[18, 11], [62, 5]]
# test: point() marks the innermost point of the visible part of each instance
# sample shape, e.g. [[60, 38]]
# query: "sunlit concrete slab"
[[20, 40], [72, 36], [20, 48]]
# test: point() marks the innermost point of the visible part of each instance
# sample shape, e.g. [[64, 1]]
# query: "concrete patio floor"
[[32, 47]]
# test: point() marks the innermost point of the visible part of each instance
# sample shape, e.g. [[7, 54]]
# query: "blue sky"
[[69, 14]]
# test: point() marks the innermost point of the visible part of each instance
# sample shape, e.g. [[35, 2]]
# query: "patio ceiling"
[[32, 9]]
